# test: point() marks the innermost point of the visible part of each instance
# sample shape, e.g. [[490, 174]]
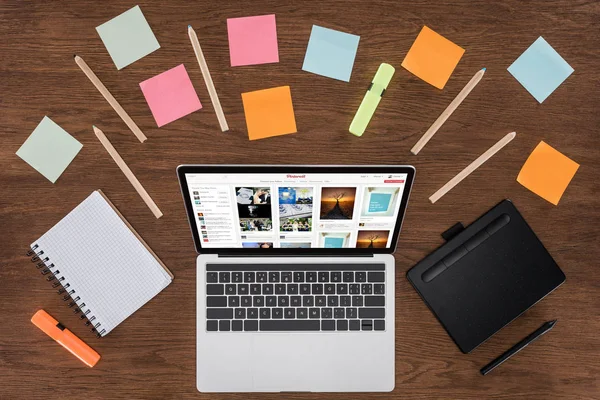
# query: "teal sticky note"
[[49, 149], [128, 37], [333, 243], [379, 202], [330, 53], [540, 69]]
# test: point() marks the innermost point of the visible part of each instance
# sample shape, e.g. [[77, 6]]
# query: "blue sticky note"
[[330, 53], [49, 149], [379, 202], [333, 243], [128, 37], [540, 69]]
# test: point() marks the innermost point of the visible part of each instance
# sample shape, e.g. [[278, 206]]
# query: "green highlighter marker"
[[372, 98]]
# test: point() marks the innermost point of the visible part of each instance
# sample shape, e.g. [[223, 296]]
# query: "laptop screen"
[[325, 209]]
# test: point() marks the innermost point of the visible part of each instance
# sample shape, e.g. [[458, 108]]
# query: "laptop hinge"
[[293, 255]]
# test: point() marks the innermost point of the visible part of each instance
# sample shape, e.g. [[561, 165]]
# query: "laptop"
[[295, 275]]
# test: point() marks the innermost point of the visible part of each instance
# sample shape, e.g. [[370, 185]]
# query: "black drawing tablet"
[[485, 276]]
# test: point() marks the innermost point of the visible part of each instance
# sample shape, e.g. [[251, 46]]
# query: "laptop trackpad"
[[312, 361]]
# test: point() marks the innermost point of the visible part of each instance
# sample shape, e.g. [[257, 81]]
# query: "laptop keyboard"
[[295, 297]]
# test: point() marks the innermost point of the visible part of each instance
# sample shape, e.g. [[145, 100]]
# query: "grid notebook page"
[[111, 271]]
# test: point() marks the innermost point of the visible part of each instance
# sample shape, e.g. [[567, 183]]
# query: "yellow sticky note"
[[547, 172], [432, 58], [269, 112]]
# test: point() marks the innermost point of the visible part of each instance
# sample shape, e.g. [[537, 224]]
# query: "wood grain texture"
[[152, 355]]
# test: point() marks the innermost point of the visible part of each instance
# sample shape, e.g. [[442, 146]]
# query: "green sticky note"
[[49, 149], [128, 37]]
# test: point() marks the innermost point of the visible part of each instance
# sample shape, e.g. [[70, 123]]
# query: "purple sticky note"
[[170, 95], [252, 40]]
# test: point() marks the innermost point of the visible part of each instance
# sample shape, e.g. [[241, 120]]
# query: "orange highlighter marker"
[[65, 338]]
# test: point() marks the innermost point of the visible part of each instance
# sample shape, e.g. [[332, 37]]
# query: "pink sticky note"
[[252, 40], [170, 95]]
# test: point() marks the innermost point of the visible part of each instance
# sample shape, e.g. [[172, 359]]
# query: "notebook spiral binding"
[[48, 268]]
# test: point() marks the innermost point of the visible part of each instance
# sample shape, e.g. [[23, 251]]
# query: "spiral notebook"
[[99, 264]]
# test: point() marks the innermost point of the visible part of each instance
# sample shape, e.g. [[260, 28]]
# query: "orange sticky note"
[[269, 112], [547, 172], [432, 58]]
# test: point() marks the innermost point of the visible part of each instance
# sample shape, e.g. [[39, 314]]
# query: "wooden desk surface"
[[152, 355]]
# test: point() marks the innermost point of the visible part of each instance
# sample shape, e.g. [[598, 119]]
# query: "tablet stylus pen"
[[532, 337]]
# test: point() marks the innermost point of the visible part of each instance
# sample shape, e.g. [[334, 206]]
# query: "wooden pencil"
[[214, 98], [110, 98], [472, 167], [447, 112], [134, 181]]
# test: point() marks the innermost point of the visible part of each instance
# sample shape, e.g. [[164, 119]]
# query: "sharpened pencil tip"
[[483, 69], [74, 55], [189, 26]]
